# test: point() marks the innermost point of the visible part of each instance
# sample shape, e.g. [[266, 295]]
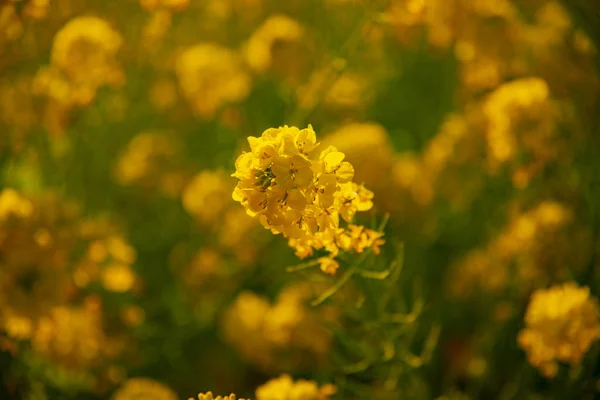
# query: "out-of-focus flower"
[[11, 26], [73, 336], [36, 242], [108, 260], [13, 204], [207, 195], [275, 30], [150, 161], [83, 59], [348, 91], [210, 77], [209, 396], [144, 388], [174, 5], [561, 324], [516, 111], [520, 244], [274, 336], [285, 388]]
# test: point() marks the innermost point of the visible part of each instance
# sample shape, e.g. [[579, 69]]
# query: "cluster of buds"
[[303, 193]]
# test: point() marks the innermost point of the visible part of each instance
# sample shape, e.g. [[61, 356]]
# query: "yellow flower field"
[[299, 200]]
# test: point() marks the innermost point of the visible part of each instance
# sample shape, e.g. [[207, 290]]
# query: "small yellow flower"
[[328, 265]]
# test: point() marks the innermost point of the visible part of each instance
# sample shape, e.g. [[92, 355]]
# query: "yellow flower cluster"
[[520, 243], [83, 59], [285, 388], [210, 77], [12, 204], [205, 196], [523, 104], [302, 197], [73, 336], [259, 49], [175, 5], [144, 388], [209, 396], [562, 322], [150, 160], [11, 20], [275, 336], [108, 260], [35, 245]]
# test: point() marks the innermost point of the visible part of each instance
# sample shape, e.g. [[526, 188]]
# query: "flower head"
[[561, 322], [295, 192]]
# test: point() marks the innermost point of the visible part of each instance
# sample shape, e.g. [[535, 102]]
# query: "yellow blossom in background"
[[260, 47], [561, 324], [118, 278], [209, 396], [36, 241], [517, 251], [273, 336], [11, 27], [74, 336], [175, 5], [285, 388], [144, 388], [526, 100], [207, 194], [210, 77], [150, 161], [13, 204], [83, 59]]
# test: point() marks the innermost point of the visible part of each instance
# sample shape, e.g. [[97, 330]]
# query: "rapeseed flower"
[[285, 388], [561, 324], [144, 388], [302, 194], [209, 396], [211, 76]]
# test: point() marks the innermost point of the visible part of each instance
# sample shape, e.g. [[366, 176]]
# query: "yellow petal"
[[334, 159], [345, 172]]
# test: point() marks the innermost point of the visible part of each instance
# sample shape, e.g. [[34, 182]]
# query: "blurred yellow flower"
[[144, 388], [209, 396], [13, 204], [280, 335], [207, 195], [561, 324], [83, 59], [73, 336], [175, 5], [284, 388], [210, 77], [118, 278], [276, 29]]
